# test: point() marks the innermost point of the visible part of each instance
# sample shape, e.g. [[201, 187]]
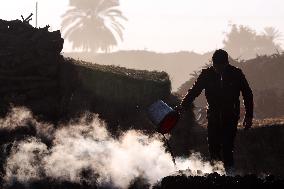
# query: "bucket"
[[163, 116]]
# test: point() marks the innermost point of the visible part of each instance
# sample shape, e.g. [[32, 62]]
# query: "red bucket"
[[163, 116]]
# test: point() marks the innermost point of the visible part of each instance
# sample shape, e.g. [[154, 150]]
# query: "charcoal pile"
[[50, 183], [29, 65], [215, 180]]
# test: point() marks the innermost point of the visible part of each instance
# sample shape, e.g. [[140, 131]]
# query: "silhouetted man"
[[222, 83]]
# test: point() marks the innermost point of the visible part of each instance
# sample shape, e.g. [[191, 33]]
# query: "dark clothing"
[[221, 135], [222, 92]]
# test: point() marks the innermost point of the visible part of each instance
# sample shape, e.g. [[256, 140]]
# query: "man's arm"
[[248, 101], [194, 91]]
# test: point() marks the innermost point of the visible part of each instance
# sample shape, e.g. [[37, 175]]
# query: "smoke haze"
[[85, 151]]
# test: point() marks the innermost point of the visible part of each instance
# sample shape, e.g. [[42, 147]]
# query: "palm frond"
[[115, 13], [117, 30], [70, 22], [106, 4]]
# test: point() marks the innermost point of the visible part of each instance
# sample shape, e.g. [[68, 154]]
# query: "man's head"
[[220, 60]]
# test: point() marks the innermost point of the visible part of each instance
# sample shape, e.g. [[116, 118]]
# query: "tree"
[[273, 33], [243, 42], [93, 25]]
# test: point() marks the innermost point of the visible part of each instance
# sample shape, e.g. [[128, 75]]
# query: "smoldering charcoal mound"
[[29, 64]]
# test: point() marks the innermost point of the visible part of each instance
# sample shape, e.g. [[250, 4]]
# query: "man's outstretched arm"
[[248, 101], [194, 91]]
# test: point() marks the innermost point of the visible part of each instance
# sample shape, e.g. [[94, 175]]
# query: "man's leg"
[[228, 137], [214, 139]]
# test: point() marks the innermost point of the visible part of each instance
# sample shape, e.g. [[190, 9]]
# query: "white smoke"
[[24, 164], [18, 117], [87, 145]]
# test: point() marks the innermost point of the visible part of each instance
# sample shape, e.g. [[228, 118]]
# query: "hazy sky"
[[167, 25]]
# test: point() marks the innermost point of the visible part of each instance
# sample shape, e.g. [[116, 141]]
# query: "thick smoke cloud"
[[85, 151]]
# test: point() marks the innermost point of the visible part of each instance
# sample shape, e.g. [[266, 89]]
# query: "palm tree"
[[244, 42], [93, 25]]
